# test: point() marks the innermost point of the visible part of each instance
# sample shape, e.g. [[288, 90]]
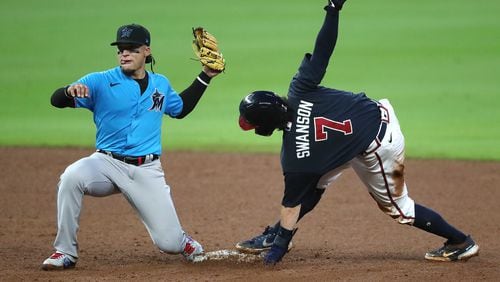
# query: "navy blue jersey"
[[329, 126]]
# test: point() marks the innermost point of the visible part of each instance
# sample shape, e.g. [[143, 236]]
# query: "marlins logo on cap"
[[132, 34], [125, 33]]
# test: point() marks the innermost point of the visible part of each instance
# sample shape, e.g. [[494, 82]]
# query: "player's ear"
[[147, 50]]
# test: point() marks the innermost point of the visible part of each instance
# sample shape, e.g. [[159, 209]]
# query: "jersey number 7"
[[322, 123]]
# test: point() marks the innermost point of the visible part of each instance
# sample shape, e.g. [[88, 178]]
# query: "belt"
[[137, 161], [384, 120]]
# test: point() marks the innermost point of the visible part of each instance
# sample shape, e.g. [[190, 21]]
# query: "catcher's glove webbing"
[[206, 49]]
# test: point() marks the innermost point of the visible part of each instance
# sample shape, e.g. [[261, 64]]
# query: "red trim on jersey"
[[388, 190]]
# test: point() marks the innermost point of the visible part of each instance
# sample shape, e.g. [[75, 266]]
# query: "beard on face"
[[127, 72]]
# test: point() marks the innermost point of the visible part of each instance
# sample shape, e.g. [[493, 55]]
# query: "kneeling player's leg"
[[150, 195], [86, 176]]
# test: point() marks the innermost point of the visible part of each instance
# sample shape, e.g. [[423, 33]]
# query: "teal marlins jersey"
[[127, 122]]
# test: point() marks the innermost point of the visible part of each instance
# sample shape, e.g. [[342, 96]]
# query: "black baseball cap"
[[132, 34]]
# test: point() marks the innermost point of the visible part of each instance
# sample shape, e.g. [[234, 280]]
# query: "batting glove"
[[336, 4], [280, 246], [275, 254]]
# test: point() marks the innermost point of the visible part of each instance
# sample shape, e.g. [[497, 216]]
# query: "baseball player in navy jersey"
[[128, 104], [325, 131]]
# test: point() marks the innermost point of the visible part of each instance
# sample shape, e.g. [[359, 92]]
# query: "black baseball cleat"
[[260, 243], [455, 252]]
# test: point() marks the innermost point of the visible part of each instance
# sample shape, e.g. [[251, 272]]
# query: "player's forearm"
[[193, 93], [60, 99], [289, 217], [326, 39]]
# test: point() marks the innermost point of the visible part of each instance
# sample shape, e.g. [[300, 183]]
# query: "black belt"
[[140, 160]]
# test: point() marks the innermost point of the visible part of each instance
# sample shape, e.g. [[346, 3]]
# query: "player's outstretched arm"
[[59, 99], [65, 96], [327, 36], [192, 95]]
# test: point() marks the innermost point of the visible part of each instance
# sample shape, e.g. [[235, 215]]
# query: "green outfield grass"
[[438, 62]]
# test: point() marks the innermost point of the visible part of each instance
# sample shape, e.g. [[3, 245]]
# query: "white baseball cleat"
[[457, 252], [191, 248], [59, 261]]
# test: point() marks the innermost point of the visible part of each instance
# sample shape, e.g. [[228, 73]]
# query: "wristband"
[[66, 92], [201, 81], [283, 237]]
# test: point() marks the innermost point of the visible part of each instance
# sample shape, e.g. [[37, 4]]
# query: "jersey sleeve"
[[297, 186], [308, 76], [93, 82], [313, 66], [173, 102]]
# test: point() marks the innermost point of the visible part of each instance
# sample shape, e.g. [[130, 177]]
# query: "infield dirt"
[[226, 197]]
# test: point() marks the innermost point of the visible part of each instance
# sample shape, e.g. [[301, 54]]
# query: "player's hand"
[[78, 90], [210, 72], [275, 254], [280, 245], [336, 4]]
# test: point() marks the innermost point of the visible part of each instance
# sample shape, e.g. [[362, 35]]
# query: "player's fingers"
[[85, 91], [79, 90], [70, 92]]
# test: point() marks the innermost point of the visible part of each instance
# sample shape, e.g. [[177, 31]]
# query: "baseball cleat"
[[455, 252], [59, 261], [260, 243], [191, 248]]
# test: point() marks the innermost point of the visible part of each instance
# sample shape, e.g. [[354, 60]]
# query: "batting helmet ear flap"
[[244, 124], [264, 131]]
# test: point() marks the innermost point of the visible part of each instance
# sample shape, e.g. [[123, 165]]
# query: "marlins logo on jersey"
[[157, 101]]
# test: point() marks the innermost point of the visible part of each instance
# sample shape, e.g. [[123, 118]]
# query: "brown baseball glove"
[[207, 51]]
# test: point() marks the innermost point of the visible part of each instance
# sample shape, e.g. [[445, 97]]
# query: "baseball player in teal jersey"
[[128, 104], [326, 131]]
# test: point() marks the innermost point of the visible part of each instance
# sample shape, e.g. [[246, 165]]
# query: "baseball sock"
[[430, 221]]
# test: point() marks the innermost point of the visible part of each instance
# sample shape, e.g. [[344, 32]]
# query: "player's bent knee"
[[77, 174], [168, 246], [70, 179], [169, 242]]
